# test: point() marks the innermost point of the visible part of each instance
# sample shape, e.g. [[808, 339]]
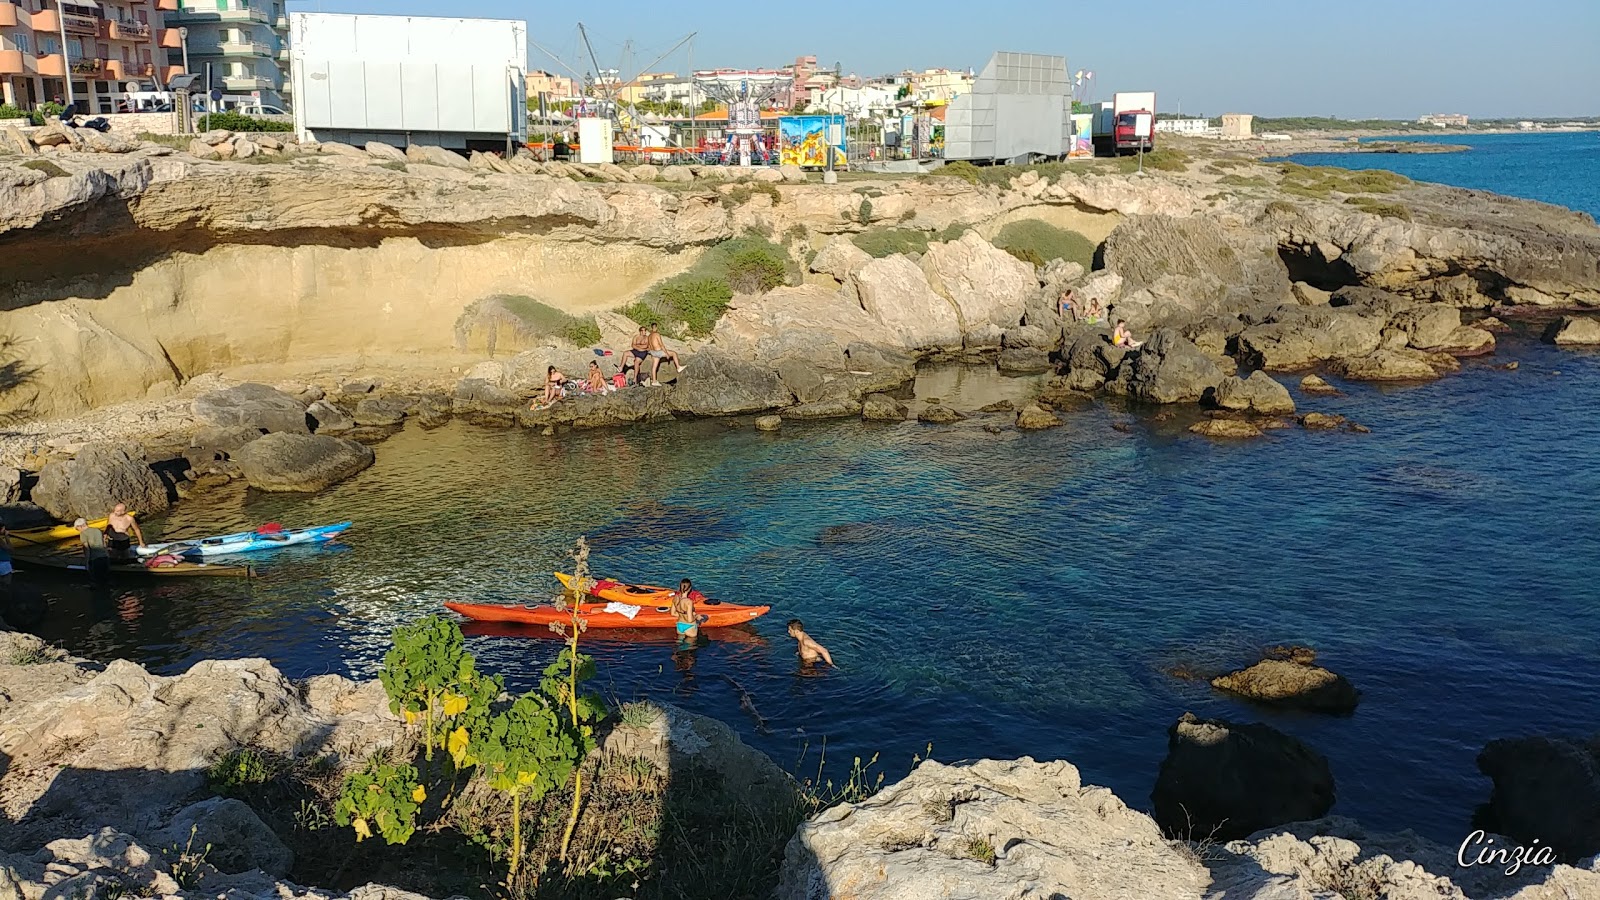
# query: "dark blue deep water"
[[1000, 595], [1561, 168]]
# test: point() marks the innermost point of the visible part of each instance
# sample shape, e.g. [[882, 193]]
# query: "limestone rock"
[[769, 176], [1291, 684], [381, 411], [988, 286], [1321, 421], [1283, 347], [882, 408], [217, 136], [840, 258], [253, 405], [1223, 780], [1573, 331], [1034, 417], [238, 839], [1387, 365], [330, 419], [991, 828], [1468, 341], [108, 143], [1257, 394], [644, 173], [824, 409], [1545, 788], [811, 322], [1167, 369], [601, 410], [675, 174], [769, 423], [1316, 384], [1146, 249], [939, 415], [383, 151], [19, 142], [437, 156], [300, 462], [718, 384], [336, 148], [1023, 361], [1427, 327], [792, 174], [96, 478], [200, 149], [1227, 428], [897, 293]]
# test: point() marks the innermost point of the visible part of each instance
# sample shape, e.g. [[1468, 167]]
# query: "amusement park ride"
[[745, 94]]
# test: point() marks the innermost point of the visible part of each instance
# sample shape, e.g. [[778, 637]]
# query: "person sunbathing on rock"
[[1122, 337], [554, 385]]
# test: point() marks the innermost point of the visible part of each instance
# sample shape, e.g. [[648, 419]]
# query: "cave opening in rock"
[[1308, 264]]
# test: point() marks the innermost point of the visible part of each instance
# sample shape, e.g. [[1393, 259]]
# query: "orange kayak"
[[608, 615], [622, 592]]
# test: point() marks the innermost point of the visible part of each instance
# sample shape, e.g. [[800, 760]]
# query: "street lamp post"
[[66, 58], [183, 38]]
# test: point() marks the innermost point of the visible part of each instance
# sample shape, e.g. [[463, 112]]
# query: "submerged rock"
[[1034, 417], [1290, 683], [882, 408], [1223, 780], [1545, 789], [379, 411], [769, 423], [1227, 428], [1316, 421], [1316, 384], [824, 409], [300, 462], [939, 415], [1387, 365], [96, 478]]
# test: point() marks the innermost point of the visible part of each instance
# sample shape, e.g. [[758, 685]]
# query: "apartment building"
[[245, 42], [100, 45], [555, 87]]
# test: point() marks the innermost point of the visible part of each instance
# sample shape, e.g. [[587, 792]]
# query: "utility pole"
[[66, 58]]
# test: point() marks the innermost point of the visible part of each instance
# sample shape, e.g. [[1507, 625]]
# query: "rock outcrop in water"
[[1545, 789]]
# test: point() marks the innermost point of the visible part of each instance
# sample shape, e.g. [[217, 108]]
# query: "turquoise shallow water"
[[1559, 168], [995, 595]]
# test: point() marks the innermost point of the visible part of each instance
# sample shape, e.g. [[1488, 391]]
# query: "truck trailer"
[[402, 80], [1126, 124]]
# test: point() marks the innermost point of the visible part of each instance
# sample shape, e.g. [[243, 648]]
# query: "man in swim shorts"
[[639, 353], [658, 352], [811, 652], [121, 531]]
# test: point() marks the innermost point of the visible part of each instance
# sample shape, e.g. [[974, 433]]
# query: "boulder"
[[1545, 789], [200, 149], [1034, 417], [792, 174], [1211, 263], [718, 384], [840, 258], [939, 415], [1283, 347], [1387, 365], [1227, 428], [824, 409], [253, 405], [437, 156], [1468, 341], [644, 173], [1167, 369], [243, 149], [1321, 422], [217, 136], [18, 142], [1257, 394], [1427, 326], [96, 478], [336, 148], [238, 840], [1024, 361], [882, 408], [300, 462], [673, 174], [770, 176], [1221, 781], [330, 419], [108, 143], [897, 292], [381, 411], [383, 151], [769, 423], [1573, 331], [1031, 337], [987, 829], [1090, 358], [1293, 684], [988, 286], [1316, 384], [600, 410]]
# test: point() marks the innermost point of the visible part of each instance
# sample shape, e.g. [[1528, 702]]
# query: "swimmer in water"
[[810, 651]]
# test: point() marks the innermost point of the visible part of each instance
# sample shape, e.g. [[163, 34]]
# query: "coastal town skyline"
[[1370, 61]]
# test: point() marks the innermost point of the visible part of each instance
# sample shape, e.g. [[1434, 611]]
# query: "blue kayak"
[[246, 541]]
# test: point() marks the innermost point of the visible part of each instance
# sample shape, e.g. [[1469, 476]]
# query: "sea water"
[[993, 594]]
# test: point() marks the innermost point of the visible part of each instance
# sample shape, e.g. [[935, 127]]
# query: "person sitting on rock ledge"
[[94, 551], [1122, 337], [659, 352], [1068, 308], [597, 383], [1093, 312], [555, 385]]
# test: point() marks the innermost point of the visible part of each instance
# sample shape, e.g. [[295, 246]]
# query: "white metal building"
[[1198, 127], [455, 83], [1019, 106]]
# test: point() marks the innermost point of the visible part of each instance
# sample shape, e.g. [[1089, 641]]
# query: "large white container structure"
[[402, 80], [1020, 108]]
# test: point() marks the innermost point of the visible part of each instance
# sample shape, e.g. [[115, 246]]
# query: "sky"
[[1356, 59]]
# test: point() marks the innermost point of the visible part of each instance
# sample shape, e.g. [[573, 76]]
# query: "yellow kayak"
[[53, 534]]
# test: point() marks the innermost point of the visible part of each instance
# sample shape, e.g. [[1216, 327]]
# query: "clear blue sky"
[[1360, 58]]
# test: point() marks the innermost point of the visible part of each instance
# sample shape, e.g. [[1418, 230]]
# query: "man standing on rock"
[[659, 352], [94, 551], [118, 539]]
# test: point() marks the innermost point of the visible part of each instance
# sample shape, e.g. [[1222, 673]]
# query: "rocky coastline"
[[109, 786]]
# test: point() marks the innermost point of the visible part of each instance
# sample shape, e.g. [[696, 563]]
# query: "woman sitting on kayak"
[[554, 385]]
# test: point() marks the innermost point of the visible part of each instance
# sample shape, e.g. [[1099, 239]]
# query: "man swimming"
[[810, 651]]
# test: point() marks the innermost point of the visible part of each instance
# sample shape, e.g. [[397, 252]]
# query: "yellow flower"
[[411, 717], [419, 794], [454, 704], [457, 745], [526, 778], [362, 831]]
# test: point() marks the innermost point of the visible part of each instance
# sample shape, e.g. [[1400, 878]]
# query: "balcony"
[[246, 83], [170, 39], [283, 54], [12, 63], [91, 67], [217, 15], [167, 6], [52, 65], [46, 20], [77, 24], [130, 31], [281, 23], [244, 48], [8, 14]]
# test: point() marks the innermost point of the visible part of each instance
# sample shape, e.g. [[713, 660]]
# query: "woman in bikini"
[[554, 382]]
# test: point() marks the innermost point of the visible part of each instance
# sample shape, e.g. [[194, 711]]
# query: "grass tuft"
[[1033, 241]]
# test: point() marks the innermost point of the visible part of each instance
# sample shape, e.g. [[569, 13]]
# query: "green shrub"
[[382, 794], [1379, 208], [739, 194], [698, 302], [755, 271], [864, 212], [45, 166], [7, 111], [881, 242], [240, 768], [233, 121], [44, 111], [1281, 208], [526, 316], [1033, 241], [1166, 160], [697, 298], [959, 169], [1244, 180]]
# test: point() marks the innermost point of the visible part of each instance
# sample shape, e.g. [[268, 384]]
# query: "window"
[[22, 42], [144, 17], [49, 46], [74, 48]]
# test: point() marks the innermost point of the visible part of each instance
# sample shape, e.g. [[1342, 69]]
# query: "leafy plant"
[[311, 817], [959, 169], [240, 768], [7, 111], [1379, 208], [1166, 160], [45, 111], [232, 121], [755, 271], [881, 242], [639, 714], [524, 751], [698, 303], [431, 678], [981, 850], [1033, 241], [864, 212], [382, 794], [564, 678]]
